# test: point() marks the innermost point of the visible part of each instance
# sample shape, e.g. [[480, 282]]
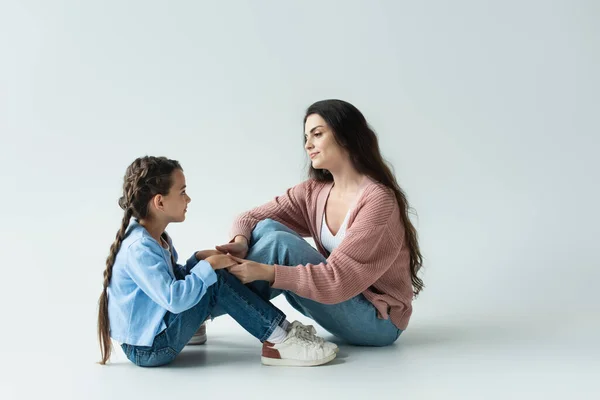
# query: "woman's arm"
[[289, 209]]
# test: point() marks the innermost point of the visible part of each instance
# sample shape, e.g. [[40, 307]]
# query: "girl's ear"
[[158, 202]]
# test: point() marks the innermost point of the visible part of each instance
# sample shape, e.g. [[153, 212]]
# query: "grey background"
[[488, 112]]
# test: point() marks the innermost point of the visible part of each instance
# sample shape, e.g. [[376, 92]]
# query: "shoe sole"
[[286, 362], [197, 340]]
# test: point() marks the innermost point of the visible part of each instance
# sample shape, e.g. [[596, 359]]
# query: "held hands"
[[245, 270], [249, 271], [203, 254], [220, 261], [238, 248]]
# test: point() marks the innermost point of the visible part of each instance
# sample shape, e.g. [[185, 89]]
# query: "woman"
[[360, 283]]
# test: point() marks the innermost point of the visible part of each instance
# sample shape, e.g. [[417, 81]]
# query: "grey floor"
[[478, 357]]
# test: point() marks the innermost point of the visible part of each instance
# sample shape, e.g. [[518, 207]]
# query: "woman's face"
[[320, 144]]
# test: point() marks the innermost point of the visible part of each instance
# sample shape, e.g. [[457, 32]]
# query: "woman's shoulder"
[[376, 191], [379, 201]]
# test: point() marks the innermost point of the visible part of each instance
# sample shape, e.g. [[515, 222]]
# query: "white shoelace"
[[303, 336], [308, 332]]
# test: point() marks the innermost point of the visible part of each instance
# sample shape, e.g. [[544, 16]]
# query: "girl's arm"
[[148, 268]]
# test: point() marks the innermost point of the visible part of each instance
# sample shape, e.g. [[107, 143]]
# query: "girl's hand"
[[203, 254], [249, 271], [220, 261], [238, 248]]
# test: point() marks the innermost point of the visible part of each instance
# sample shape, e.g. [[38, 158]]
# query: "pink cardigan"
[[371, 259]]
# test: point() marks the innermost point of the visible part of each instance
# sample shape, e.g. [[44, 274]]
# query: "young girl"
[[153, 306]]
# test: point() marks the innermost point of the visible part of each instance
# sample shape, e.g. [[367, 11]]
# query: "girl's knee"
[[221, 273], [222, 277]]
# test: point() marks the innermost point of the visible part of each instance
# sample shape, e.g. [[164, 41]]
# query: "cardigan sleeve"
[[289, 209]]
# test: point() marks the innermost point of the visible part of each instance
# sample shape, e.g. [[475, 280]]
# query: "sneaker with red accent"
[[297, 350]]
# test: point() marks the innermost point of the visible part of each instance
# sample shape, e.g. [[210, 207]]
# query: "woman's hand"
[[238, 248], [220, 261], [249, 271]]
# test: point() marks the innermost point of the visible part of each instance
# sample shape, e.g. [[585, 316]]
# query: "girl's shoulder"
[[139, 240]]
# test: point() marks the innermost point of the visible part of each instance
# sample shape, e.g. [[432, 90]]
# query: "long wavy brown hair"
[[353, 133], [144, 178]]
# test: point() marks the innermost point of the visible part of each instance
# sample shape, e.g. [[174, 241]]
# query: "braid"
[[103, 321]]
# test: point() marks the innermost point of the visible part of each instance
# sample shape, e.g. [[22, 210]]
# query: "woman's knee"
[[277, 241], [269, 226], [283, 237], [266, 225], [373, 341]]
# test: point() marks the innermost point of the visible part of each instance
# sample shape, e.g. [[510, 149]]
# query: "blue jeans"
[[353, 321], [258, 316]]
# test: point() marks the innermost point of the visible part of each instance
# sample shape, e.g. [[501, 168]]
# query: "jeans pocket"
[[154, 358]]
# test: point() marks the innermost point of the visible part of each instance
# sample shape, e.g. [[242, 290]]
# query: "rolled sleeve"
[[191, 263], [205, 272]]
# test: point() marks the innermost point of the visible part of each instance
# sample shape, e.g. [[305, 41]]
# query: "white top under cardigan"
[[330, 241]]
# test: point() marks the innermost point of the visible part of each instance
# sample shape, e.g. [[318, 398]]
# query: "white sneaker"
[[297, 350], [199, 337], [311, 332]]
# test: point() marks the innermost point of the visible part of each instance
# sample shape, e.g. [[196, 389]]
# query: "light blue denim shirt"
[[144, 286]]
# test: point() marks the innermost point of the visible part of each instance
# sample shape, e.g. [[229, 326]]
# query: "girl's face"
[[173, 206], [320, 144]]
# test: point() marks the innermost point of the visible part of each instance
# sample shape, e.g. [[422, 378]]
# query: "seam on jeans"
[[264, 317], [235, 293], [146, 354]]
